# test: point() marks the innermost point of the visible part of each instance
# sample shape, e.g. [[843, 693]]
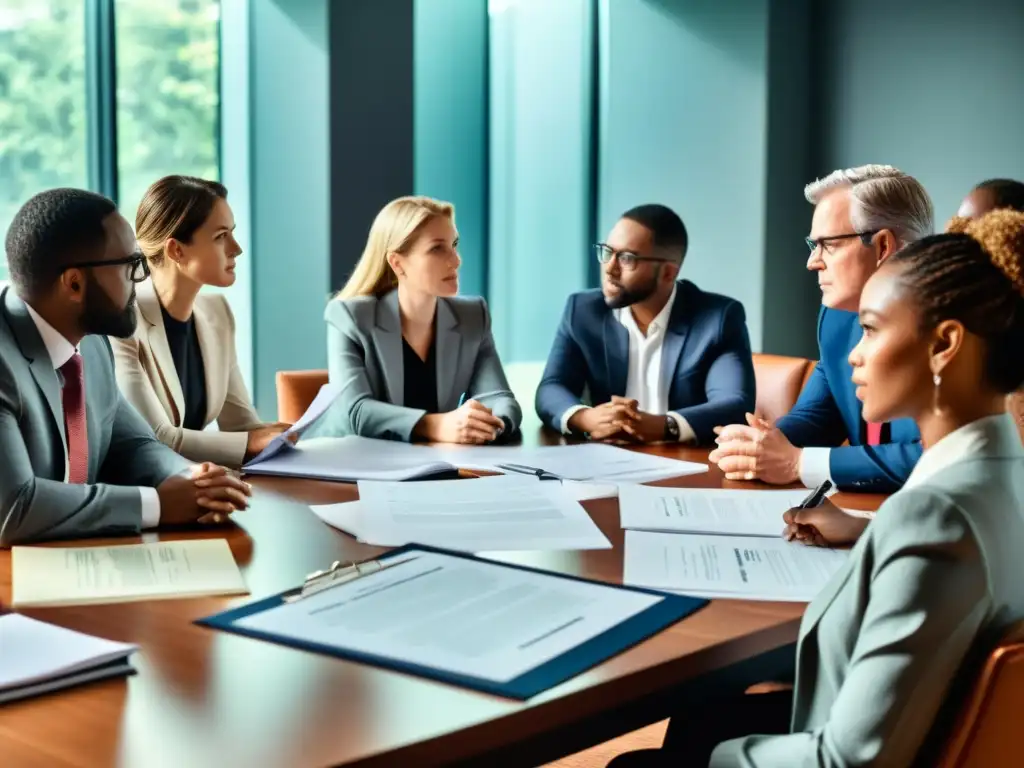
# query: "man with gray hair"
[[861, 217]]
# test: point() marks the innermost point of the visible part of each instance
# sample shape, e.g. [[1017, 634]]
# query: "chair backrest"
[[988, 729], [295, 392], [779, 381]]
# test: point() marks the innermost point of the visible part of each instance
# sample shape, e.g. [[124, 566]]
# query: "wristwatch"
[[671, 430]]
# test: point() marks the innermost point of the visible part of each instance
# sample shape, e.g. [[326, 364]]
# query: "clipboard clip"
[[340, 573]]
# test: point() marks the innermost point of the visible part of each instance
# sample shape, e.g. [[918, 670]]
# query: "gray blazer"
[[364, 357], [934, 579], [35, 502]]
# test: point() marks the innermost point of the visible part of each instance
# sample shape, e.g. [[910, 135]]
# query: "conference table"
[[207, 698]]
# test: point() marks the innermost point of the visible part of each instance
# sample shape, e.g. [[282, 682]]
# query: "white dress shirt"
[[61, 350], [814, 466], [643, 376]]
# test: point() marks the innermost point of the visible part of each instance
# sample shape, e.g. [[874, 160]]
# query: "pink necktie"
[[74, 419], [874, 433]]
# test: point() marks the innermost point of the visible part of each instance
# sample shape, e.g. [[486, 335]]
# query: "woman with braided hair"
[[886, 649]]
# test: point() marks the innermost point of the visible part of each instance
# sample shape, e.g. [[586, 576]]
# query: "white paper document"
[[593, 462], [352, 458], [460, 616], [706, 510], [45, 576], [738, 567], [324, 398], [36, 657], [500, 513]]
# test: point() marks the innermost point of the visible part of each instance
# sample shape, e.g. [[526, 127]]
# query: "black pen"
[[816, 496]]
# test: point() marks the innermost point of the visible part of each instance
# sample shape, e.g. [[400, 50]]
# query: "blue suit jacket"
[[828, 413], [706, 364]]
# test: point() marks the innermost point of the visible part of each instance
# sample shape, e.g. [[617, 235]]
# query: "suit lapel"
[[817, 607], [616, 354], [156, 338], [449, 345], [675, 337], [216, 373], [387, 339], [32, 347]]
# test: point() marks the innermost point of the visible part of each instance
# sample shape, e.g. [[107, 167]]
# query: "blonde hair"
[[394, 230], [881, 197]]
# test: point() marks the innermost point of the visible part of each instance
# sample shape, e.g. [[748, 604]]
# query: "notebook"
[[37, 658]]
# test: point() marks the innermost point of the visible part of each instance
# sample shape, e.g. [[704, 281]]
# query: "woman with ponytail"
[[886, 650]]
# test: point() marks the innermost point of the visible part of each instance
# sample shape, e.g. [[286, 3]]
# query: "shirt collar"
[[985, 436], [625, 315], [60, 349]]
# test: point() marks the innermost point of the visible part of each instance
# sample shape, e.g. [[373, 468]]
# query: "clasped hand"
[[756, 450], [619, 419], [208, 494]]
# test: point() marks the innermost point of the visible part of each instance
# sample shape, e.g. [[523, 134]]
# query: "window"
[[42, 101], [168, 93], [167, 101]]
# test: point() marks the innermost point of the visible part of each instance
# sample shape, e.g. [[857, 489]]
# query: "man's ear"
[[887, 245], [72, 282]]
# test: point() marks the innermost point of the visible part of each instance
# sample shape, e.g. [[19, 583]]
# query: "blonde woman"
[[413, 360], [180, 369]]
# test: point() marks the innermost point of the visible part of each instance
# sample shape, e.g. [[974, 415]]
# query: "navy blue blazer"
[[706, 364], [829, 413]]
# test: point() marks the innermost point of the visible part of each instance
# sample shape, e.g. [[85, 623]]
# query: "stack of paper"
[[706, 510], [324, 398], [511, 513], [720, 543], [352, 458], [593, 462], [36, 658], [737, 567], [86, 575]]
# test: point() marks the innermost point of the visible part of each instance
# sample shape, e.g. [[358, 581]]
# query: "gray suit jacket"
[[929, 586], [364, 357], [35, 502]]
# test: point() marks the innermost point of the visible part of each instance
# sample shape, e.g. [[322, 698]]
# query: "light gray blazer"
[[35, 502], [932, 582], [364, 357]]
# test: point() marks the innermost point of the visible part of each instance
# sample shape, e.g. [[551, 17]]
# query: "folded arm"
[[729, 386], [565, 374], [928, 598]]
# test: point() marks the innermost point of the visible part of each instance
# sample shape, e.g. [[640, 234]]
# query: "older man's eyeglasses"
[[827, 244], [136, 266], [628, 259]]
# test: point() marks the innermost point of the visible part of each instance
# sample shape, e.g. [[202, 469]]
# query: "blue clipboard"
[[598, 649]]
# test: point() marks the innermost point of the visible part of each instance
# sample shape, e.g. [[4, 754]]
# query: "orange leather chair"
[[988, 730], [295, 392], [779, 381], [1015, 404]]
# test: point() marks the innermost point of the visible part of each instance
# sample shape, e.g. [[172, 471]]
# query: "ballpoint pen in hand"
[[816, 496]]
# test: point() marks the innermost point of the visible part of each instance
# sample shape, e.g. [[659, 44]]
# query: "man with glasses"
[[75, 458], [861, 217], [661, 359]]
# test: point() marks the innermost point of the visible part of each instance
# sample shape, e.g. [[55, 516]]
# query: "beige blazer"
[[149, 381], [887, 648]]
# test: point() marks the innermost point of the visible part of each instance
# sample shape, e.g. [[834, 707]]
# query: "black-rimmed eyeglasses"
[[138, 267], [826, 243], [627, 259]]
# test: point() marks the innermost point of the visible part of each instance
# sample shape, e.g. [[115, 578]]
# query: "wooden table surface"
[[207, 698]]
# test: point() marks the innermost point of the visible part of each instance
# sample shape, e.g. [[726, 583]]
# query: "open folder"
[[496, 627]]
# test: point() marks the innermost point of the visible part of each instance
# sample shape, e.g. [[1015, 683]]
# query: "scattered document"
[[706, 510], [594, 462], [738, 567], [352, 458], [45, 576], [36, 658], [457, 615], [345, 516], [500, 513], [324, 399]]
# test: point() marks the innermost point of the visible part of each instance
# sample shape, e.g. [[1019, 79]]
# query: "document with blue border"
[[497, 627]]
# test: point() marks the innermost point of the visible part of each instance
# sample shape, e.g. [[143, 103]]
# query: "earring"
[[937, 380]]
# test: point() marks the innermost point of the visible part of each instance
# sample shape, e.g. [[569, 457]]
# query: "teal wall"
[[289, 151], [932, 86], [450, 121], [540, 170]]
